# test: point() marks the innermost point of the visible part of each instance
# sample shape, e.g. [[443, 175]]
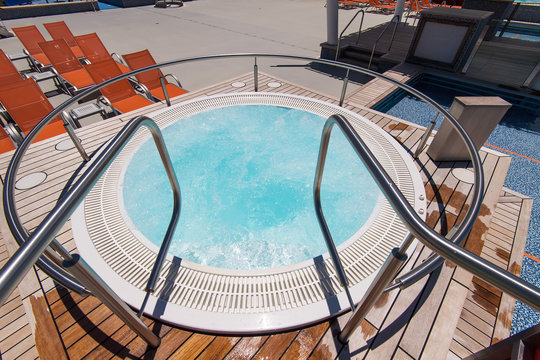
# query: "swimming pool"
[[203, 297], [518, 133], [247, 188]]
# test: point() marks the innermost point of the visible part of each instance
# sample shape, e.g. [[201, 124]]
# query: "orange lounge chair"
[[30, 37], [8, 72], [150, 78], [71, 74], [5, 142], [25, 105], [120, 96], [59, 30], [384, 7], [94, 50]]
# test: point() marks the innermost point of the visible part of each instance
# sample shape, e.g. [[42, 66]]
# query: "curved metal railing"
[[59, 274], [526, 292], [338, 47], [394, 20], [500, 278]]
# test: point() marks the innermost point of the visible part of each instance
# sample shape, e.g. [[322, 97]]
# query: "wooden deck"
[[449, 314], [501, 61]]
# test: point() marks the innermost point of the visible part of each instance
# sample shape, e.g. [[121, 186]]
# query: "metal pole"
[[151, 286], [400, 5], [76, 141], [80, 269], [426, 135], [332, 22], [164, 87], [323, 149], [514, 10], [344, 88], [256, 75], [389, 269]]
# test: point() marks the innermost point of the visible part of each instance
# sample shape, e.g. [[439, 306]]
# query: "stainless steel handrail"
[[380, 36], [346, 27], [9, 205], [496, 276], [510, 18], [18, 265]]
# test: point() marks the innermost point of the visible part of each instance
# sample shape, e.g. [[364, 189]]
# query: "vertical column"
[[332, 22], [400, 6]]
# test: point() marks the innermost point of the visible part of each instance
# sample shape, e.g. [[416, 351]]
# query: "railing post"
[[344, 88], [510, 18], [425, 137], [80, 269], [76, 141], [389, 269], [164, 87], [256, 75]]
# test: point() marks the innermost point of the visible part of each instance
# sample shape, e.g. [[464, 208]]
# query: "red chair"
[[151, 78], [72, 75], [25, 105], [59, 30], [30, 37], [94, 50], [384, 7], [8, 72], [119, 95], [5, 142]]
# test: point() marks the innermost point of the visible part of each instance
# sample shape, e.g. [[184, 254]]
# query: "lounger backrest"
[[92, 47], [59, 30], [5, 142], [142, 59], [8, 72], [30, 37], [26, 104], [105, 70], [60, 55]]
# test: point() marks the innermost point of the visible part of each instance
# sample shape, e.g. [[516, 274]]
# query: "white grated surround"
[[201, 288]]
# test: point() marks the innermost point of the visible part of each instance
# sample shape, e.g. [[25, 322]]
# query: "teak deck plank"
[[192, 347], [304, 343], [275, 346], [246, 347], [218, 348]]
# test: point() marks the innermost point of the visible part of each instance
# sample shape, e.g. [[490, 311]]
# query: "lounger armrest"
[[62, 83], [68, 118], [175, 79], [118, 58], [14, 134], [142, 88], [106, 102]]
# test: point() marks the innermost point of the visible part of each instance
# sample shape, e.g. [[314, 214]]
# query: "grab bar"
[[346, 27], [19, 264], [380, 36], [494, 275]]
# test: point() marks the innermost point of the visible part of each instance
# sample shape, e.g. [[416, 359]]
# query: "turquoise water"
[[246, 174]]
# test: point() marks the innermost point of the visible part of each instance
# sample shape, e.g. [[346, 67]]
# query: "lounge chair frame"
[[114, 71]]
